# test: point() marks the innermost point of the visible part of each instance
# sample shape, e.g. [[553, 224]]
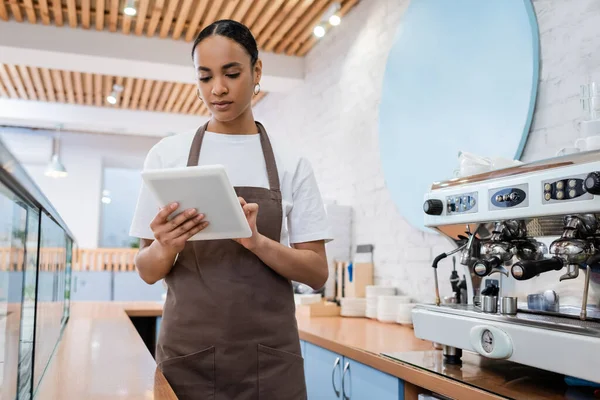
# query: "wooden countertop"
[[101, 356]]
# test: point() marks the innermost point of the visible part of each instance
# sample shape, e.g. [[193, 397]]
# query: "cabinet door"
[[364, 382], [323, 370], [303, 348], [91, 286]]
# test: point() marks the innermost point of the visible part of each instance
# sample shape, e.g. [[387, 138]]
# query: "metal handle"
[[335, 364], [346, 369], [75, 284]]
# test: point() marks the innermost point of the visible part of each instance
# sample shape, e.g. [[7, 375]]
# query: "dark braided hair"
[[232, 30]]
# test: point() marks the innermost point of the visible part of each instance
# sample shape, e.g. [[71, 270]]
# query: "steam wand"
[[441, 257]]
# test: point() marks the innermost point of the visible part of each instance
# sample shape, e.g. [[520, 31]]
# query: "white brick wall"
[[333, 118]]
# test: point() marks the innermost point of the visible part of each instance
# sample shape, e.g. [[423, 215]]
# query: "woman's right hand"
[[172, 235]]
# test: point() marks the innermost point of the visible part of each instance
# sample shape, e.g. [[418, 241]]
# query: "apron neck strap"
[[265, 143]]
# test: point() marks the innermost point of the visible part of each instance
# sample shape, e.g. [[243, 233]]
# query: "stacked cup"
[[373, 292], [353, 307], [387, 307]]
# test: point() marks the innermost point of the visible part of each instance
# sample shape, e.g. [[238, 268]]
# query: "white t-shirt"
[[304, 215]]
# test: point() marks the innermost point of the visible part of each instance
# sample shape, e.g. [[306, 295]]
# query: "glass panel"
[[50, 294], [12, 256], [28, 313]]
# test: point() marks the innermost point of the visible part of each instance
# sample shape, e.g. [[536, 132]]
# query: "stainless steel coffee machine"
[[528, 238]]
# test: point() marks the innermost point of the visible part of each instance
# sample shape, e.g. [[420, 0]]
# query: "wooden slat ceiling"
[[42, 84], [280, 26]]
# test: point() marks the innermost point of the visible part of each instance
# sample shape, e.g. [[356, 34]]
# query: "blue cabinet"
[[325, 371], [322, 369], [364, 382]]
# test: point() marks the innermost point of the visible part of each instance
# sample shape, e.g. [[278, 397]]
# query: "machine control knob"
[[592, 183], [433, 207], [514, 196]]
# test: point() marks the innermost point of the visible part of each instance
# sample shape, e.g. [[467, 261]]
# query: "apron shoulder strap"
[[265, 143]]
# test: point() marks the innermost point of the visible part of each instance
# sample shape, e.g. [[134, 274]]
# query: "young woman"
[[229, 328]]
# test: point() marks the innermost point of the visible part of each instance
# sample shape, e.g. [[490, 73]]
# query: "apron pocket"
[[280, 375], [191, 376]]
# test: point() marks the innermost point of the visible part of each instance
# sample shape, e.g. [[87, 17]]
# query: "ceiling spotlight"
[[130, 8], [114, 95], [319, 31], [335, 20]]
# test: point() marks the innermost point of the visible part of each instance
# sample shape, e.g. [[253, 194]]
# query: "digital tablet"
[[207, 189]]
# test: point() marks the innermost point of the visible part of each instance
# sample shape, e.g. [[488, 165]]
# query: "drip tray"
[[538, 320]]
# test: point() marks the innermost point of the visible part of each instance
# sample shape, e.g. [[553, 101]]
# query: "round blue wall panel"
[[461, 75]]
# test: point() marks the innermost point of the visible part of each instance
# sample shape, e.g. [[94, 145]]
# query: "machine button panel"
[[568, 188], [508, 197], [461, 203]]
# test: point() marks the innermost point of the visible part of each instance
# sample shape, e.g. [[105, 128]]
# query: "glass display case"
[[35, 265]]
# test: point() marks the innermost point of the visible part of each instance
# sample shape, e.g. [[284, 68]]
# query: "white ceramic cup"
[[588, 143]]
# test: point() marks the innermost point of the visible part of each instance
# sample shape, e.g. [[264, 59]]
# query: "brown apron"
[[229, 328]]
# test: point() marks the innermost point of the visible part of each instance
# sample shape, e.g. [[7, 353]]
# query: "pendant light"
[[55, 168]]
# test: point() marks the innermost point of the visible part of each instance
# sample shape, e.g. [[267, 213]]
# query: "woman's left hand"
[[251, 212]]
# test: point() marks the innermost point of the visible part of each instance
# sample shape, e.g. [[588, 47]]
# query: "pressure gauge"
[[487, 341], [491, 341]]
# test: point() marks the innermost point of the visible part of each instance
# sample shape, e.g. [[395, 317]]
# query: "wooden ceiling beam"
[[308, 32], [78, 87], [15, 10], [58, 85], [302, 24], [72, 13], [86, 17], [213, 11], [311, 41], [88, 84], [8, 84], [285, 12], [146, 93], [193, 27], [98, 90], [30, 11], [57, 11], [242, 10], [37, 84], [99, 15], [155, 17], [24, 72], [168, 18], [68, 85], [142, 12], [126, 98], [229, 9], [137, 91], [182, 18], [186, 91], [17, 82], [266, 17], [48, 84], [3, 11], [113, 15], [156, 90], [257, 7]]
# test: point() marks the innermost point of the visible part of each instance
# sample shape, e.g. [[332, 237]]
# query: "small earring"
[[198, 95], [256, 89]]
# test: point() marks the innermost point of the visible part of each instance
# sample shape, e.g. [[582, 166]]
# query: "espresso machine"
[[528, 239]]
